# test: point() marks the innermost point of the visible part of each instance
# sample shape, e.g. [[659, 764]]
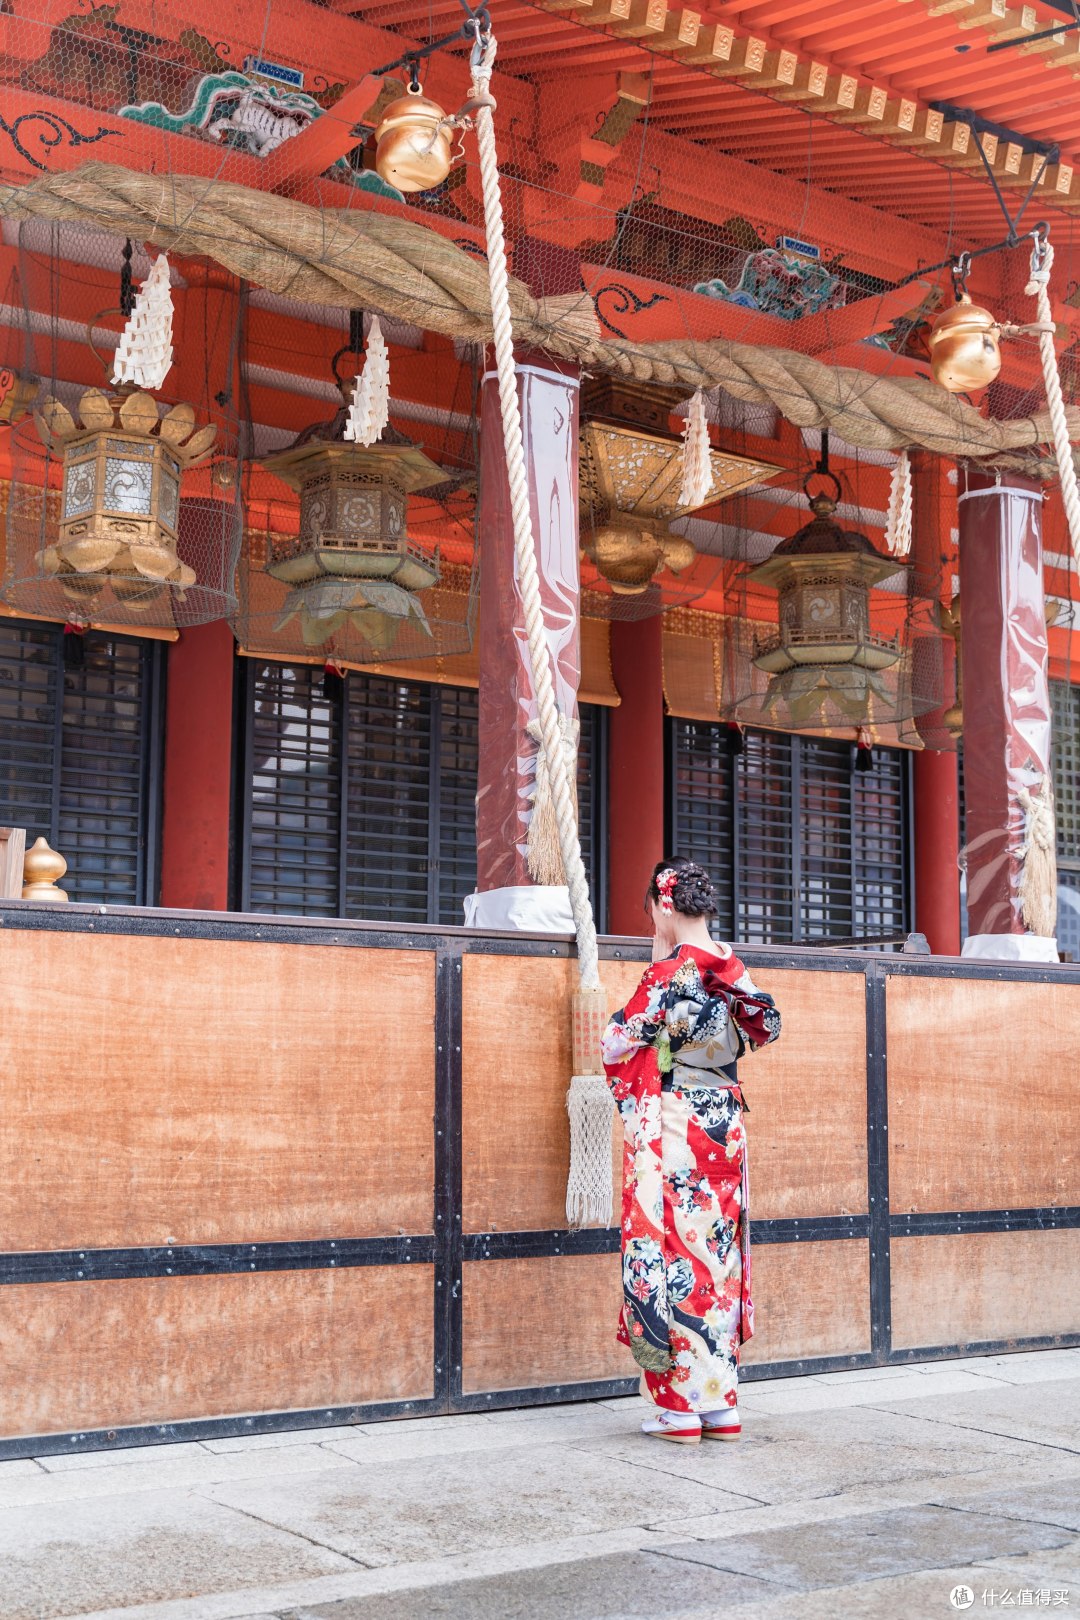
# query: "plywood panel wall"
[[980, 1287], [160, 1349], [982, 1094], [516, 1068], [806, 1126], [161, 1091], [542, 1321], [810, 1299]]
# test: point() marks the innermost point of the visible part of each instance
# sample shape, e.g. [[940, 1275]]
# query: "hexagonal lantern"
[[120, 494], [352, 557], [825, 648]]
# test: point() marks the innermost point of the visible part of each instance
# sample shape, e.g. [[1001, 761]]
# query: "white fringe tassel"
[[898, 524], [144, 353], [697, 471], [589, 1185], [370, 408]]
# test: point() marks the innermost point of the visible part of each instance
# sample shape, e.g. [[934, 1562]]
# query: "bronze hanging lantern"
[[352, 560], [120, 495], [825, 654], [631, 483]]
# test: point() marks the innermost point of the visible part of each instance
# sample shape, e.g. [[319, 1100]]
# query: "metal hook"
[[961, 269]]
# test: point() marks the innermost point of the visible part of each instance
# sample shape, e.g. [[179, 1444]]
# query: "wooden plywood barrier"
[[975, 1288], [175, 1091], [982, 1094], [514, 1179], [806, 1128], [252, 1181], [535, 1322], [160, 1350], [810, 1299]]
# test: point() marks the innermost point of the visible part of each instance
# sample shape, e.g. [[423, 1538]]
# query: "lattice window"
[[1065, 751], [367, 809], [293, 826], [766, 818], [800, 846], [78, 756]]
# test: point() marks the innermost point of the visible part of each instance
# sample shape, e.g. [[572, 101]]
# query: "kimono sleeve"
[[753, 1012], [631, 1031]]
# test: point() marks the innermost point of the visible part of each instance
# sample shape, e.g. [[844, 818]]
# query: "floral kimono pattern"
[[670, 1056]]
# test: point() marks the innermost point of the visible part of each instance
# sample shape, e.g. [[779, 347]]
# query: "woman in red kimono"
[[670, 1056]]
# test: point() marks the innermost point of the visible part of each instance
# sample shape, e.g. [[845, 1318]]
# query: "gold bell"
[[412, 150], [964, 349]]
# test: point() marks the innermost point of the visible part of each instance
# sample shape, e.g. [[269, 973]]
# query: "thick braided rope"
[[1039, 285], [554, 757], [364, 259]]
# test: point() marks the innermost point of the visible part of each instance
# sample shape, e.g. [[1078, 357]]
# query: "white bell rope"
[[144, 353], [1042, 258], [369, 411], [697, 471], [589, 1101], [898, 521]]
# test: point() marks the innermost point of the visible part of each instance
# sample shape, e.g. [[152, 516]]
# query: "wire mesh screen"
[[109, 529], [607, 150]]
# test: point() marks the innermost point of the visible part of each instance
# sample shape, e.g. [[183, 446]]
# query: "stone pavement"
[[871, 1493]]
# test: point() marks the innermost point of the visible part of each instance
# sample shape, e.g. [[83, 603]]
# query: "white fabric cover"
[[526, 908], [1010, 948]]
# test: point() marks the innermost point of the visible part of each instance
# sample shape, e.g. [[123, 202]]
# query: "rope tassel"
[[370, 409], [1038, 883]]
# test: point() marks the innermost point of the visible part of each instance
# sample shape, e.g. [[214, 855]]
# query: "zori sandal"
[[682, 1427], [721, 1425]]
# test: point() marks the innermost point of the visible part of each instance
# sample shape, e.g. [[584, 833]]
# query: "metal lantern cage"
[[123, 510], [826, 633], [372, 560]]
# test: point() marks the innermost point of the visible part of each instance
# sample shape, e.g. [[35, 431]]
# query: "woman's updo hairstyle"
[[693, 893]]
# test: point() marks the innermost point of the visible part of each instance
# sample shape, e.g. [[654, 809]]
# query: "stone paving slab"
[[868, 1546], [1049, 1504], [139, 1549], [639, 1586], [541, 1513], [1047, 1413], [788, 1458], [409, 1510]]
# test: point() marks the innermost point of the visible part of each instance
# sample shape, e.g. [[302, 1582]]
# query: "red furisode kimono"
[[669, 1055]]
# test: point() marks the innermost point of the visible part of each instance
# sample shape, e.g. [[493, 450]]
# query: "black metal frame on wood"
[[446, 1247]]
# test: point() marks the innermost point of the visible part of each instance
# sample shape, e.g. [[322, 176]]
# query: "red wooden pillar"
[[1006, 702], [936, 778], [506, 896], [635, 771], [199, 688]]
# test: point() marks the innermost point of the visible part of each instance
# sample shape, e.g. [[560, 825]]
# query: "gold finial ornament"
[[42, 869], [412, 144], [964, 344]]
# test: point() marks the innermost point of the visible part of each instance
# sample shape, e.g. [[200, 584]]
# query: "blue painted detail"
[[293, 77], [791, 244]]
